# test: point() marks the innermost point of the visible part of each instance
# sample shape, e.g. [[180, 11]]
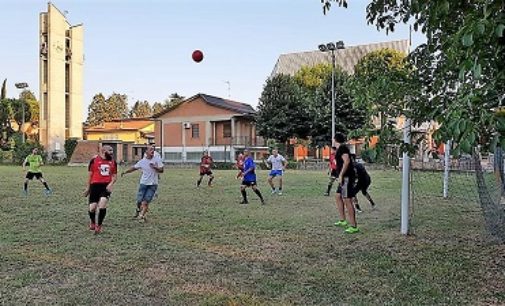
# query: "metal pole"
[[405, 182], [447, 161], [333, 97], [23, 121]]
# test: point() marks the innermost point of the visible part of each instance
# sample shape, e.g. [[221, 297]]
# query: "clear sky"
[[142, 48]]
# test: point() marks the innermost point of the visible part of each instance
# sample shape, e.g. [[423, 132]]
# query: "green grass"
[[200, 247]]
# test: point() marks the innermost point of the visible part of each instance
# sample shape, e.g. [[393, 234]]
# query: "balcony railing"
[[246, 141]]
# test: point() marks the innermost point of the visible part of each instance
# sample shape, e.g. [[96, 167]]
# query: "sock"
[[26, 186], [244, 195], [92, 215], [210, 180], [138, 206], [329, 188], [101, 215], [45, 185], [257, 191], [198, 182], [280, 188]]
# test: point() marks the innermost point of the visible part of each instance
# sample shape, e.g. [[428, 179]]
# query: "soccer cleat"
[[25, 192], [274, 191], [263, 202], [243, 202], [342, 223], [92, 226], [48, 192], [142, 218], [326, 194], [98, 229], [352, 230], [280, 192], [358, 208], [137, 212]]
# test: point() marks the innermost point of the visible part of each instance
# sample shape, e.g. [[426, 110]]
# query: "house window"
[[195, 131], [227, 130]]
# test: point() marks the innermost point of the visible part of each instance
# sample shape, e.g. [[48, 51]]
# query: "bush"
[[22, 150], [6, 156], [369, 155], [70, 145]]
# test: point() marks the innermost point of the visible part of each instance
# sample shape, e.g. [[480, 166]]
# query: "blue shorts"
[[146, 193], [274, 173]]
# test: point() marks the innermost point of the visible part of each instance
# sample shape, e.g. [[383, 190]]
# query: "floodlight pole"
[[22, 86], [405, 181], [333, 96]]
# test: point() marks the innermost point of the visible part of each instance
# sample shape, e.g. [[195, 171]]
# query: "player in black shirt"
[[345, 190], [362, 183]]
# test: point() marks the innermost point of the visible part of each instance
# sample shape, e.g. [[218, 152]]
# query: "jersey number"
[[105, 170]]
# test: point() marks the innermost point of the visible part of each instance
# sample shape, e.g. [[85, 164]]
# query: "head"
[[106, 152], [35, 151], [339, 139], [333, 150], [246, 152], [150, 152], [205, 153], [275, 152], [240, 156]]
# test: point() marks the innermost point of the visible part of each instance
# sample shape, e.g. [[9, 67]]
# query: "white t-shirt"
[[149, 175], [276, 161]]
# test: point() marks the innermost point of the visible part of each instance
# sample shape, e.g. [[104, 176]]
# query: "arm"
[[113, 180], [86, 192], [24, 163], [157, 168], [132, 169], [347, 162]]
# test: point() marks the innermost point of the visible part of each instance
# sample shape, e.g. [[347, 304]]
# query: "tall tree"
[[3, 92], [157, 108], [141, 109], [173, 100], [32, 103], [5, 119], [282, 111], [97, 110], [117, 106]]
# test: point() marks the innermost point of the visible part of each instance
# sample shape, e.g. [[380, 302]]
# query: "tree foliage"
[[101, 109], [282, 111], [141, 109], [173, 100], [157, 108], [3, 91]]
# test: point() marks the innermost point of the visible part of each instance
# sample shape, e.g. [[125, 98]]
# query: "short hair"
[[339, 137]]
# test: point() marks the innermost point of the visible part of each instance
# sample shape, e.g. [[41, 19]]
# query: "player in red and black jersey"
[[102, 176], [332, 170], [240, 165], [205, 168]]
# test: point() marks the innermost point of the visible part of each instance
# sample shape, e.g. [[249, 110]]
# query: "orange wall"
[[196, 107], [172, 136]]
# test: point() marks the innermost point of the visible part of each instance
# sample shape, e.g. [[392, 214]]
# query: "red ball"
[[197, 56]]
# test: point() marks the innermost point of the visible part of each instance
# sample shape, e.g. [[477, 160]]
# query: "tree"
[[282, 111], [32, 103], [5, 119], [316, 81], [460, 68], [117, 106], [141, 109], [173, 100], [157, 108], [3, 92], [97, 110]]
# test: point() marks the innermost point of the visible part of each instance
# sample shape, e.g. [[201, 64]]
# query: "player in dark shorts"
[[249, 178], [346, 182], [34, 162], [205, 169], [362, 184], [332, 169], [102, 176]]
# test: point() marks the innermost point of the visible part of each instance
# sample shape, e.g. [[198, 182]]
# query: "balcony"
[[240, 141]]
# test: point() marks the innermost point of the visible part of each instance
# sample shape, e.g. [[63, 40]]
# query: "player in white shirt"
[[151, 167], [277, 163]]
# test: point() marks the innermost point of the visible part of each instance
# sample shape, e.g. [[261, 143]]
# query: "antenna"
[[229, 88]]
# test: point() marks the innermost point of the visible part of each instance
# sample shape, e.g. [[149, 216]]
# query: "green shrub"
[[6, 156], [70, 145], [22, 150], [369, 155]]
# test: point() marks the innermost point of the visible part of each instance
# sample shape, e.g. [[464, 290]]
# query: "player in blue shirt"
[[249, 178]]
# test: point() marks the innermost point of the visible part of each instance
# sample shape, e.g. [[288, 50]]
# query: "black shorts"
[[30, 175], [347, 189], [97, 191], [248, 183], [206, 172], [334, 173], [362, 186]]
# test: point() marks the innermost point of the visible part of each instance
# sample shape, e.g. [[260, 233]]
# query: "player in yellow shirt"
[[34, 162]]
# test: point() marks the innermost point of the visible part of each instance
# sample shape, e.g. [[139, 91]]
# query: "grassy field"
[[200, 247]]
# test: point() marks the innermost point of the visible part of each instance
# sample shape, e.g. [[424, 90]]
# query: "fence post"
[[447, 167]]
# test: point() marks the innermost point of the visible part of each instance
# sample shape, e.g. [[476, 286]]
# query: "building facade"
[[205, 122], [61, 79]]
